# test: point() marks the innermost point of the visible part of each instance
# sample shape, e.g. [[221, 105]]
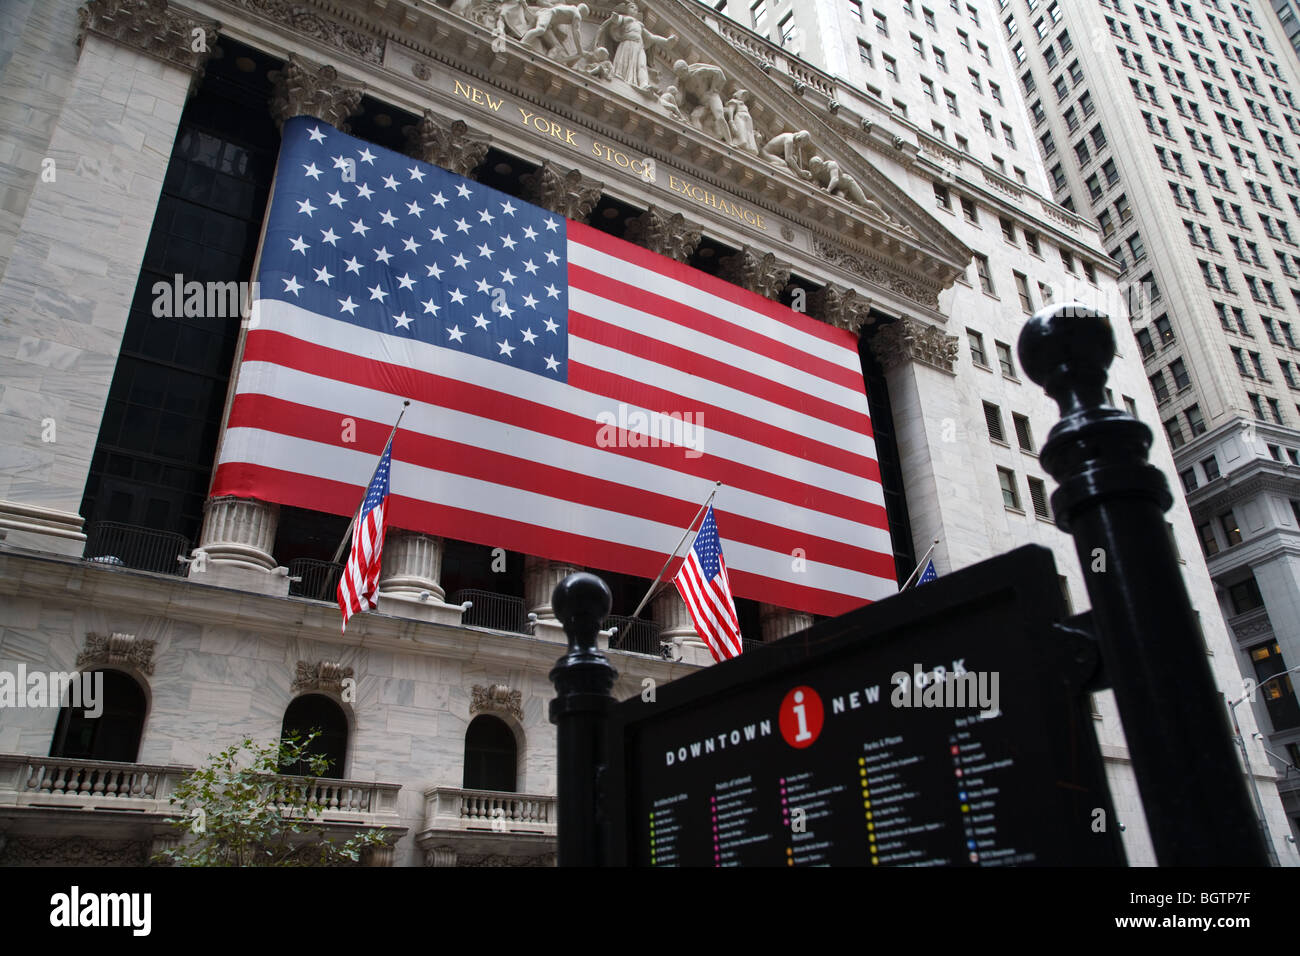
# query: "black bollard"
[[1113, 502], [583, 679]]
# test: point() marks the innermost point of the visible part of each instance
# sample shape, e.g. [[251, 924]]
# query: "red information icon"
[[801, 717]]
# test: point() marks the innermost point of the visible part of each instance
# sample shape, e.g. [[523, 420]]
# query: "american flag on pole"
[[359, 585], [573, 396], [702, 582]]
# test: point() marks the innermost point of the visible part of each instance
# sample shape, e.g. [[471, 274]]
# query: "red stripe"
[[720, 373], [622, 249], [607, 287], [300, 421], [274, 347], [336, 497]]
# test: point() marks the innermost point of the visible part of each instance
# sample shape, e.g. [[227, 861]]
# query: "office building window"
[[993, 421], [1024, 437], [1010, 496], [1038, 496], [976, 348], [1004, 359]]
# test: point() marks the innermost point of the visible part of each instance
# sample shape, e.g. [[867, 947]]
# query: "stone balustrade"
[[41, 783], [452, 808], [86, 784]]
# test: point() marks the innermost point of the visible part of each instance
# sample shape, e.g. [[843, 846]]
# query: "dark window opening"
[[115, 733], [317, 712], [491, 755]]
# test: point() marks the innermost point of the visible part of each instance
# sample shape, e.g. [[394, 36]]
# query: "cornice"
[[1257, 477]]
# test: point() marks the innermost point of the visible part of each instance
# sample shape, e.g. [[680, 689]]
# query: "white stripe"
[[701, 343], [300, 456], [425, 419], [694, 297]]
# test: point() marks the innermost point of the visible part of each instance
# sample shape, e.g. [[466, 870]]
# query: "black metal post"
[[1113, 502], [583, 679]]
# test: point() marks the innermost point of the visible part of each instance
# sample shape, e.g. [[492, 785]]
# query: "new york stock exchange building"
[[141, 146]]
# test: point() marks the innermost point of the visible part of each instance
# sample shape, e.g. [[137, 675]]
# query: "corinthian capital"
[[911, 340], [153, 28], [570, 194], [669, 234], [305, 89], [449, 144], [840, 307], [760, 272]]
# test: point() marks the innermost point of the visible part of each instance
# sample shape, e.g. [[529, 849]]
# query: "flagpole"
[[655, 582], [347, 535], [924, 558]]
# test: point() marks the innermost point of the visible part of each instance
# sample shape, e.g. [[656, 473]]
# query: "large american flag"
[[573, 396], [703, 585], [359, 584]]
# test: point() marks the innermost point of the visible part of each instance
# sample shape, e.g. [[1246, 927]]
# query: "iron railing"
[[498, 612], [319, 580], [633, 634], [144, 549]]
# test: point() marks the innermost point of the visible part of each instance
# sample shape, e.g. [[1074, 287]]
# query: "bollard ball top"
[[581, 597], [1066, 345]]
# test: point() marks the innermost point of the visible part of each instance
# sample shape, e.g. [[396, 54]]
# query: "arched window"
[[108, 730], [491, 755], [318, 712]]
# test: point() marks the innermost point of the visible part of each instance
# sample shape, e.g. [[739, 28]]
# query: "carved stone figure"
[[740, 122], [545, 34], [793, 149], [625, 34], [827, 174], [599, 64], [702, 84], [515, 18], [671, 100]]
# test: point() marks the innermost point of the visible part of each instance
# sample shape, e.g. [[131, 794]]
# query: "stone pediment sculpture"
[[626, 35], [663, 55]]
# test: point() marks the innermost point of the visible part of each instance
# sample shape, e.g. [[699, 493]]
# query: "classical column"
[[91, 155], [409, 581], [566, 192], [303, 88], [669, 234], [449, 144], [777, 622], [760, 272], [669, 610], [841, 307], [541, 575]]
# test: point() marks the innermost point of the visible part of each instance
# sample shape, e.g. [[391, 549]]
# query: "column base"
[[550, 629], [33, 528], [239, 576], [692, 650]]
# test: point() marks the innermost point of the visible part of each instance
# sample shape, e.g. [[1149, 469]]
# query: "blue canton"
[[360, 234]]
